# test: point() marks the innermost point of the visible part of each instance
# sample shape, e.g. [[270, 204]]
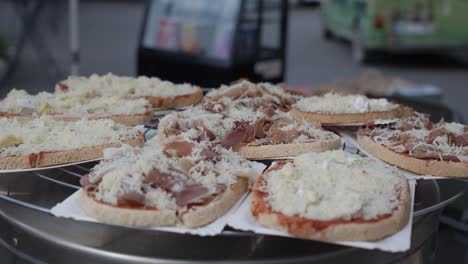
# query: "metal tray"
[[28, 230]]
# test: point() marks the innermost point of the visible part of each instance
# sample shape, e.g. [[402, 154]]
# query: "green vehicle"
[[397, 25]]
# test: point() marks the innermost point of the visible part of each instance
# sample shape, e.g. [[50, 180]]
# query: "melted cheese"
[[334, 185], [337, 103], [110, 84], [46, 134]]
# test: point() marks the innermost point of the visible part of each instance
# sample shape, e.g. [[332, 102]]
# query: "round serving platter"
[[29, 231]]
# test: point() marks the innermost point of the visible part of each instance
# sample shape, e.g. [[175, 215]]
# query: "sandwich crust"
[[350, 118], [177, 101], [195, 216], [49, 158], [420, 166], [342, 230], [287, 150]]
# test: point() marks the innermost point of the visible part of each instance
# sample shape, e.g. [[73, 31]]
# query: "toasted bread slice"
[[203, 215], [18, 162], [127, 215], [350, 118], [177, 101], [196, 216], [334, 230], [420, 166], [129, 120], [49, 158], [287, 150]]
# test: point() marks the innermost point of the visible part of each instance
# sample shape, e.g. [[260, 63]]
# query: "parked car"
[[397, 25]]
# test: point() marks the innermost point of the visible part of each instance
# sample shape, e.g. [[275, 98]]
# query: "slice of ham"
[[462, 140], [190, 193], [205, 134], [87, 185], [131, 199], [281, 137], [214, 107], [234, 138], [233, 93], [164, 181], [210, 154], [242, 132], [63, 87], [277, 135], [416, 121], [424, 151], [269, 111], [259, 131], [185, 165], [434, 134], [178, 149]]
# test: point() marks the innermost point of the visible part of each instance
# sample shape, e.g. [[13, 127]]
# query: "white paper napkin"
[[70, 208], [242, 219]]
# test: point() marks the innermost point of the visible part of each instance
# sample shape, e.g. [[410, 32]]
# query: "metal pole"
[[74, 37]]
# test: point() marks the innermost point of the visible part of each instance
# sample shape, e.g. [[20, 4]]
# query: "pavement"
[[109, 36]]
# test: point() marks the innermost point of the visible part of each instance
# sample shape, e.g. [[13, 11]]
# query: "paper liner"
[[48, 167], [70, 208], [243, 220], [350, 138]]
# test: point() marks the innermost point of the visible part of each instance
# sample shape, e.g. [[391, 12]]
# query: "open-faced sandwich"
[[183, 183], [416, 144], [283, 136], [161, 94], [332, 195], [44, 141], [73, 106], [264, 97], [340, 109], [250, 119]]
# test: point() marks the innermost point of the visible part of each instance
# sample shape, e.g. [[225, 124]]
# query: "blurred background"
[[415, 51]]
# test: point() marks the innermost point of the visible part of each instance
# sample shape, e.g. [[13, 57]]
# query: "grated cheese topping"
[[46, 134], [334, 185], [125, 172], [256, 93], [110, 84], [395, 137], [308, 131], [71, 104], [195, 118], [338, 103]]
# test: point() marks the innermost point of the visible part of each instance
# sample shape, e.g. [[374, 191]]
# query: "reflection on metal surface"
[[57, 181]]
